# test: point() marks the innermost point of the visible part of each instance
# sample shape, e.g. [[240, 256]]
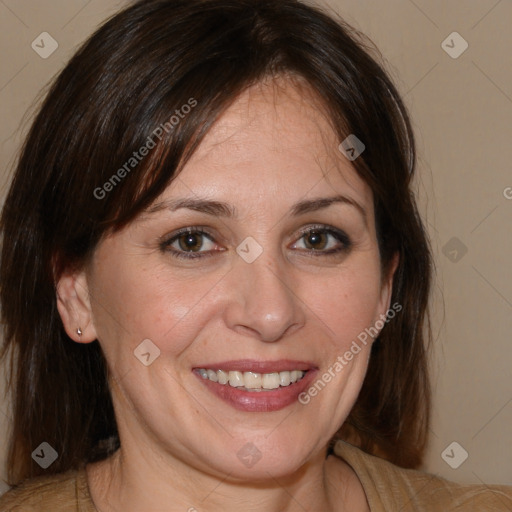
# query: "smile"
[[252, 381], [257, 386]]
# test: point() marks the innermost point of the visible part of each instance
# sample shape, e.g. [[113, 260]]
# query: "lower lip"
[[260, 401]]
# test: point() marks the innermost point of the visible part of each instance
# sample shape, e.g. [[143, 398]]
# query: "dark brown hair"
[[125, 81]]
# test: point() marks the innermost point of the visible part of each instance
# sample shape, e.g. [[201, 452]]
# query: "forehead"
[[274, 140]]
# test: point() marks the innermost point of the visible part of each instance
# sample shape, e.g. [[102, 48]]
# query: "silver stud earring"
[[79, 332]]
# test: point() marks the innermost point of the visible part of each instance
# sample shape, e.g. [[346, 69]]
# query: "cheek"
[[139, 303], [346, 303]]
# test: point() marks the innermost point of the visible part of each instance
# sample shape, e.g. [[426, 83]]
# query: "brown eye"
[[316, 240], [190, 242], [323, 241]]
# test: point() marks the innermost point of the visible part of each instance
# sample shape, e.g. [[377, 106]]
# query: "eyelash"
[[339, 235]]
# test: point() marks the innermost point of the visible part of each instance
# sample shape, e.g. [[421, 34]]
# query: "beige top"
[[388, 488]]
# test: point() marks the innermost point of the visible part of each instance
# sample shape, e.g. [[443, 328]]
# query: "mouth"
[[252, 381], [257, 386]]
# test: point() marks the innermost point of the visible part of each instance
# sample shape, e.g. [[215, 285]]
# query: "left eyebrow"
[[221, 209], [313, 205]]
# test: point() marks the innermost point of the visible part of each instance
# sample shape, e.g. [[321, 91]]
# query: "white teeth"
[[252, 381], [270, 381], [284, 378], [222, 377], [236, 379]]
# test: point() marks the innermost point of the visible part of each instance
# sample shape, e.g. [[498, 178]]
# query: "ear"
[[387, 286], [74, 306]]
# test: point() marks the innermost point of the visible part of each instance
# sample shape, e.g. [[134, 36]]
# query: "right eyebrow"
[[215, 208]]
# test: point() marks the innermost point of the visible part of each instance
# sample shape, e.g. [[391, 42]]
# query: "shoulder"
[[389, 487], [58, 493]]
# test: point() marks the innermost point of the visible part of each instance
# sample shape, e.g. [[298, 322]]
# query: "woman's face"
[[260, 258]]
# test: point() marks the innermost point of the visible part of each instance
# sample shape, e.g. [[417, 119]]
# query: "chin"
[[263, 460]]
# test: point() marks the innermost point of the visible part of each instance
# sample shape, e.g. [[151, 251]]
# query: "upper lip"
[[258, 366]]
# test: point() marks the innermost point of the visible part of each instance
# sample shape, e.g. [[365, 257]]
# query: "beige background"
[[462, 114]]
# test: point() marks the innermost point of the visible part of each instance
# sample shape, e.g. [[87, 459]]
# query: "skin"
[[271, 149]]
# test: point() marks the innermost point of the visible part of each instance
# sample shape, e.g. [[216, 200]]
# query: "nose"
[[262, 301]]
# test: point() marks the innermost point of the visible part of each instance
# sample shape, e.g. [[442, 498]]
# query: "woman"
[[214, 275]]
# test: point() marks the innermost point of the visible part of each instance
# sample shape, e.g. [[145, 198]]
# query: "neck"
[[139, 479]]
